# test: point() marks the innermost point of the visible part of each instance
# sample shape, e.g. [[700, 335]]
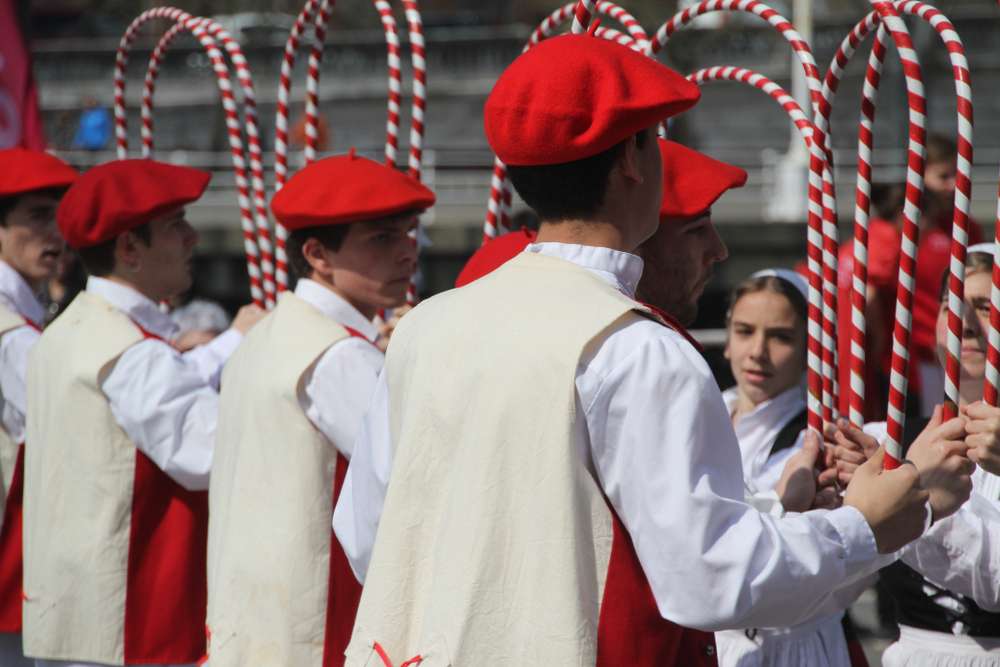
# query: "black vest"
[[920, 604]]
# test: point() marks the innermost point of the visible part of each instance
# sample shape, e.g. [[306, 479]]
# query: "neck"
[[598, 233], [743, 406], [366, 309]]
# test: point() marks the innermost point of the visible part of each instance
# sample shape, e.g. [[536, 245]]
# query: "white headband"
[[987, 248], [789, 276]]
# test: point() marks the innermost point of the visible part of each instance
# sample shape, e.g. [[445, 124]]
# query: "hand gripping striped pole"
[[498, 207], [822, 242], [198, 30], [235, 53]]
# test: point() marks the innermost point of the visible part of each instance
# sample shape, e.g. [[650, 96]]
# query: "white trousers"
[[925, 648]]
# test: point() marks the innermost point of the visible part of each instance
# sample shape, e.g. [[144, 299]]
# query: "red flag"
[[20, 122]]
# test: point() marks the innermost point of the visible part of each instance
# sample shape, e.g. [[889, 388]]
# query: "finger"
[[850, 456], [979, 410], [954, 448], [987, 425], [936, 417], [844, 440], [827, 478], [872, 466]]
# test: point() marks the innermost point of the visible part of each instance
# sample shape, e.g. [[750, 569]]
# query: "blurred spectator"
[[926, 379], [68, 282], [200, 321], [94, 129], [297, 137]]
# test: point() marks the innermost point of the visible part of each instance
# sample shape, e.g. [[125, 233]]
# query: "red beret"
[[574, 96], [114, 197], [692, 181], [493, 254], [344, 189], [23, 170]]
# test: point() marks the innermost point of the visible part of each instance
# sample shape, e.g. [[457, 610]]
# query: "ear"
[[629, 161], [725, 350], [127, 255], [317, 256]]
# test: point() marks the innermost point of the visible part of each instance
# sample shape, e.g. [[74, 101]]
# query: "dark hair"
[[99, 260], [330, 236], [940, 149], [975, 262], [8, 204], [570, 190], [774, 284]]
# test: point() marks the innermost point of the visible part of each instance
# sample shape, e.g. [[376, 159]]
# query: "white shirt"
[[340, 384], [16, 296], [961, 553], [756, 432], [165, 401], [661, 444]]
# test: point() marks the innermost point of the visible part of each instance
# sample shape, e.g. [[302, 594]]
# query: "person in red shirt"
[[933, 252]]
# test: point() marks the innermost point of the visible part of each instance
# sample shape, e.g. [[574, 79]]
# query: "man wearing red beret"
[[550, 469], [280, 589], [121, 429], [31, 183]]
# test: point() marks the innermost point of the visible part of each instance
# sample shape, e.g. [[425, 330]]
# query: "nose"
[[191, 235], [758, 348], [408, 250], [718, 252]]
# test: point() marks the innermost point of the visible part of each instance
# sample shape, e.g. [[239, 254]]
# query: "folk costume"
[[947, 604], [21, 318], [572, 481], [280, 589], [121, 430]]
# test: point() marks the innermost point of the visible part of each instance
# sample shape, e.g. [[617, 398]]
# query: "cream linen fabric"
[[271, 498], [495, 540], [79, 472]]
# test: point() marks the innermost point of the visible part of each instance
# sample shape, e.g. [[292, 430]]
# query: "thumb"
[[936, 417], [873, 466], [811, 446]]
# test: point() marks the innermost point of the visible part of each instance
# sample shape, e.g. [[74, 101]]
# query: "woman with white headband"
[[941, 626], [766, 349]]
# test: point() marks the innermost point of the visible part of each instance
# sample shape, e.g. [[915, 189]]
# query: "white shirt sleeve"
[[338, 389], [961, 553], [14, 348], [668, 460], [356, 516], [167, 409], [208, 359]]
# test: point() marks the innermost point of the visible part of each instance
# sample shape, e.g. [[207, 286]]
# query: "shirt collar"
[[620, 269], [336, 307], [139, 308], [16, 294], [792, 399]]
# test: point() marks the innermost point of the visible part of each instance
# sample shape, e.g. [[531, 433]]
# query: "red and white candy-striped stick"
[[235, 53], [418, 105], [917, 107], [311, 112], [498, 206], [199, 31], [993, 342], [582, 14], [821, 247], [395, 62], [281, 129]]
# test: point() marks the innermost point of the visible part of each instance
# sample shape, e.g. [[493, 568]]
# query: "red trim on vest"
[[344, 591], [11, 548], [12, 543], [630, 629], [166, 596], [676, 326]]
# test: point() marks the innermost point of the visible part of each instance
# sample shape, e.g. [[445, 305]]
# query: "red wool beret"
[[574, 96], [493, 254], [23, 170], [692, 181], [344, 189], [114, 197]]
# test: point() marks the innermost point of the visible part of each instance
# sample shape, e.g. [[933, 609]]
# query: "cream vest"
[[9, 320], [270, 501], [495, 539], [75, 558]]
